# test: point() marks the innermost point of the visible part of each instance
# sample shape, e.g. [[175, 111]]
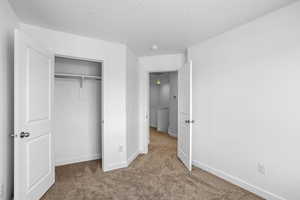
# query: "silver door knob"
[[189, 121], [24, 134]]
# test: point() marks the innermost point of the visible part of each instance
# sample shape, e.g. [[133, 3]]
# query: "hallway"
[[159, 175]]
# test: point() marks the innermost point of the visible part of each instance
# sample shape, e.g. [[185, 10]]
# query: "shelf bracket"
[[81, 81]]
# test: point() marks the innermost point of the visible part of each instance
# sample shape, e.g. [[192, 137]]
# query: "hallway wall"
[[154, 101], [173, 104]]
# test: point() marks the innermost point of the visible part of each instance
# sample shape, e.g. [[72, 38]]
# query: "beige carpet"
[[159, 175]]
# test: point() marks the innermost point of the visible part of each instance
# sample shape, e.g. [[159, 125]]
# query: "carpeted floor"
[[159, 175]]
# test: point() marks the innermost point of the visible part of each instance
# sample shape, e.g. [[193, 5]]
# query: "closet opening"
[[78, 119]]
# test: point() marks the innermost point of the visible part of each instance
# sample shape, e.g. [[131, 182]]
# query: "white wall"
[[173, 104], [77, 113], [148, 64], [114, 84], [8, 22], [246, 104], [132, 107]]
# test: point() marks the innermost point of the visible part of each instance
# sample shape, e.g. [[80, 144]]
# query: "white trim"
[[132, 157], [142, 151], [237, 181], [77, 159], [3, 134], [115, 166], [182, 156], [172, 133]]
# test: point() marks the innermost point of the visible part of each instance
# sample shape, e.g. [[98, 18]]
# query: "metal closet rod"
[[81, 76]]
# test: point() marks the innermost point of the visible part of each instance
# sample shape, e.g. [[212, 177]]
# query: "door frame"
[[146, 108], [102, 99]]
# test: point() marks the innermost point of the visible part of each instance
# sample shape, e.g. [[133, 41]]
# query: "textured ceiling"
[[171, 24]]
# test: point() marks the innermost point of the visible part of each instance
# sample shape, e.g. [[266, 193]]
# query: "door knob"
[[24, 134], [189, 121]]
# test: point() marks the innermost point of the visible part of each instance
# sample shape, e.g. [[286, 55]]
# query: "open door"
[[184, 149], [33, 142]]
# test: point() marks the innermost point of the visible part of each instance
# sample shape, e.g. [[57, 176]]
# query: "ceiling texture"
[[173, 25]]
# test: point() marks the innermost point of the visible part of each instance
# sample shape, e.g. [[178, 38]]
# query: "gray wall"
[[173, 104], [164, 91], [8, 22], [154, 101]]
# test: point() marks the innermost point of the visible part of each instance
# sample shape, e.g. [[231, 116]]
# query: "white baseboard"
[[237, 181], [132, 157], [114, 166], [143, 151], [77, 159], [172, 133], [183, 157]]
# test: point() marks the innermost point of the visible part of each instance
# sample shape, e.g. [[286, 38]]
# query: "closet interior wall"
[[77, 112]]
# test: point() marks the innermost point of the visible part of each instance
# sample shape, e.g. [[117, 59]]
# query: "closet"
[[77, 110]]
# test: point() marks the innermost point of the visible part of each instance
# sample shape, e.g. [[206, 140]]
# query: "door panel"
[[185, 115], [38, 86], [33, 143], [38, 164]]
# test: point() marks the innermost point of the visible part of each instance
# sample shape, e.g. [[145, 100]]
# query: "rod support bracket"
[[81, 81]]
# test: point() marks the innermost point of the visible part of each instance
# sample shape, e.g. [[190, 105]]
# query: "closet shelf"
[[81, 76]]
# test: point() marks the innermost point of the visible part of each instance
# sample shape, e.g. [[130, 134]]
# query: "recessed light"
[[154, 47]]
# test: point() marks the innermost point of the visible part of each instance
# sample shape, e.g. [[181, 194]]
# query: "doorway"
[[163, 102], [184, 113], [163, 108]]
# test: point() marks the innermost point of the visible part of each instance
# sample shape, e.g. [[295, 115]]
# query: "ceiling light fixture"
[[154, 47]]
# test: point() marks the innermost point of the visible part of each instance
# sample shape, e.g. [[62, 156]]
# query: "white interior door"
[[184, 149], [33, 143]]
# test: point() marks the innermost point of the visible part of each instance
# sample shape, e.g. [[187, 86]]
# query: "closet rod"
[[81, 76]]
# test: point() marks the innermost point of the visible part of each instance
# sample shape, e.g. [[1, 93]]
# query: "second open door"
[[184, 150]]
